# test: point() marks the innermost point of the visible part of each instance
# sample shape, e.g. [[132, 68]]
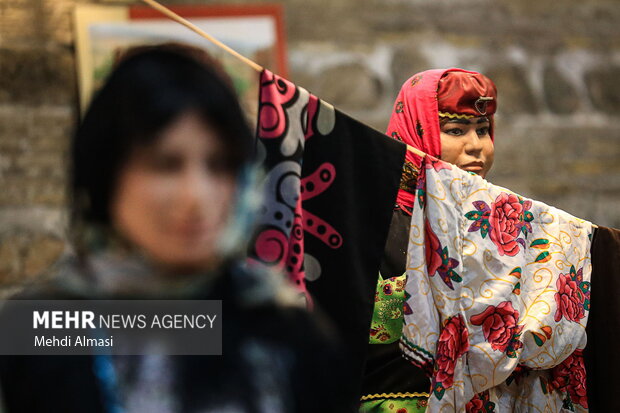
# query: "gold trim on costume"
[[392, 395], [409, 177], [455, 115]]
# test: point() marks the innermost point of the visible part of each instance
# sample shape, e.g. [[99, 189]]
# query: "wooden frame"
[[256, 31]]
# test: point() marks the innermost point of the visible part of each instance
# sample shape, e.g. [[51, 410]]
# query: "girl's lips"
[[473, 166], [191, 230]]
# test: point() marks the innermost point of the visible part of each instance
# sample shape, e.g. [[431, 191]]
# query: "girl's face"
[[174, 197], [467, 144]]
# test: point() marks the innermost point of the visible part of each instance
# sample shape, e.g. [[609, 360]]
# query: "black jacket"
[[275, 358]]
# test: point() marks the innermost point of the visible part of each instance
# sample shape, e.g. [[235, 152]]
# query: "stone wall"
[[556, 64]]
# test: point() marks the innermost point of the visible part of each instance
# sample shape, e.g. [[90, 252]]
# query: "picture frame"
[[256, 31]]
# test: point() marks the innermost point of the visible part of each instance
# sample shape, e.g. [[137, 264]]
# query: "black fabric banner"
[[330, 188], [601, 356], [359, 205]]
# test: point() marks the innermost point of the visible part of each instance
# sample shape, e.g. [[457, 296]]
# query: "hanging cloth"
[[329, 188], [499, 296]]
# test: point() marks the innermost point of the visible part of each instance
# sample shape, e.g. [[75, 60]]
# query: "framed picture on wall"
[[255, 31]]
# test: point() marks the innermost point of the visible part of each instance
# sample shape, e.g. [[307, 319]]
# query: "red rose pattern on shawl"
[[500, 327], [573, 296], [453, 343], [504, 222], [432, 250], [438, 260], [437, 164], [518, 374], [480, 403], [570, 376], [507, 220]]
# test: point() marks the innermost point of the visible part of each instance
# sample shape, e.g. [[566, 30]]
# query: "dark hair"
[[148, 90]]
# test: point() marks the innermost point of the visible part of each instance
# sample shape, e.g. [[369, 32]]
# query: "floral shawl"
[[499, 296]]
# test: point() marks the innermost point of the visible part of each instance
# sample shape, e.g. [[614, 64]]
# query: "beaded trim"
[[392, 396], [417, 356], [455, 115]]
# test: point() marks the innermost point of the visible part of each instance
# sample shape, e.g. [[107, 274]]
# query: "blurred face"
[[174, 197], [467, 144]]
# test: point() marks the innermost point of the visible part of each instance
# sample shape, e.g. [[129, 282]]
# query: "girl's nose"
[[474, 144]]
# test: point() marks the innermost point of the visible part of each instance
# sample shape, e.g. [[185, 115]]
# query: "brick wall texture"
[[556, 65]]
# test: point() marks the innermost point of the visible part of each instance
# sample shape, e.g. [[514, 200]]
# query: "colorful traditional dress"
[[390, 382]]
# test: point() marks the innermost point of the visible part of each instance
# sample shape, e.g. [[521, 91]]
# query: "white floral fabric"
[[498, 296]]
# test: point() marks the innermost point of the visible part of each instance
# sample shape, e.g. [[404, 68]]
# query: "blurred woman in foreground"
[[161, 196]]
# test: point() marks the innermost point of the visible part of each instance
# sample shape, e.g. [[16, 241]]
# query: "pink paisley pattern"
[[295, 257], [312, 109], [279, 241], [311, 186], [318, 181], [270, 247], [276, 94]]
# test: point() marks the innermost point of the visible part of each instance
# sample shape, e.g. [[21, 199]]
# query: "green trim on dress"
[[386, 327], [388, 316], [396, 405]]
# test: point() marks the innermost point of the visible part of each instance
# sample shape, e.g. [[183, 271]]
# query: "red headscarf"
[[415, 120]]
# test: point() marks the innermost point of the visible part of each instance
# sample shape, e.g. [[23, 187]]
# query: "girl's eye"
[[454, 131], [219, 163], [216, 164], [165, 163], [482, 131]]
